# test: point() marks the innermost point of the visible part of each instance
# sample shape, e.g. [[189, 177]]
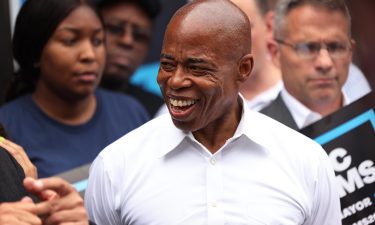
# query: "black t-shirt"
[[11, 178]]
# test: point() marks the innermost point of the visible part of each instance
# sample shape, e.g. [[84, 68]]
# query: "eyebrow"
[[167, 56], [190, 60], [197, 61], [78, 30]]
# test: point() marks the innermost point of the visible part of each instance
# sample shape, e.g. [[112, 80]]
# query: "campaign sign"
[[348, 136]]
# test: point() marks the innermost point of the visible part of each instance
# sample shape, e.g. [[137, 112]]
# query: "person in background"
[[128, 26], [356, 85], [211, 160], [265, 82], [56, 112], [313, 49], [57, 201]]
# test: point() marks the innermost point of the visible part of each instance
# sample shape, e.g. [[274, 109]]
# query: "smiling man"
[[313, 50], [212, 160]]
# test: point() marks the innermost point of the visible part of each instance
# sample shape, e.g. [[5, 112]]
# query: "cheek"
[[50, 64], [162, 77], [110, 42]]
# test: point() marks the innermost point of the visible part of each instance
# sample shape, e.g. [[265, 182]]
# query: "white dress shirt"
[[266, 173], [356, 86], [265, 98], [302, 115]]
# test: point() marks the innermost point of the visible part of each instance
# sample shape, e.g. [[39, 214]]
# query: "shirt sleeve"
[[326, 206], [100, 195]]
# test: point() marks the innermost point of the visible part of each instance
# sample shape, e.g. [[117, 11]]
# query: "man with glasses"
[[129, 29], [313, 49]]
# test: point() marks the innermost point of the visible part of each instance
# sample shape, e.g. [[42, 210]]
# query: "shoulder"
[[283, 140], [119, 101], [274, 107], [279, 111], [112, 96], [150, 134], [16, 104], [16, 111]]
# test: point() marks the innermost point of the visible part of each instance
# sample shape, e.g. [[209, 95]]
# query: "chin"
[[184, 126]]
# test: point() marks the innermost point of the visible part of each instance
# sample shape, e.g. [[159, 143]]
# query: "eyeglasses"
[[310, 50], [139, 34]]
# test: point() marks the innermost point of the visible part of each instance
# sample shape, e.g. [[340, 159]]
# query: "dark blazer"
[[279, 111]]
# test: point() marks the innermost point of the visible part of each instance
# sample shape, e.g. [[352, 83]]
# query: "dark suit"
[[280, 112]]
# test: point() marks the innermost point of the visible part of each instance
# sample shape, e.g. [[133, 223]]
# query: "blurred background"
[[363, 30]]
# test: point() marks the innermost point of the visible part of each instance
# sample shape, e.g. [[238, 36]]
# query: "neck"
[[214, 136], [327, 107], [259, 82], [111, 83], [64, 110]]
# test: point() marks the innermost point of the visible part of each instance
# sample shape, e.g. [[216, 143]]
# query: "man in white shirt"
[[313, 49], [212, 160]]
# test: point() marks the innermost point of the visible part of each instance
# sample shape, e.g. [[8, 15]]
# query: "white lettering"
[[367, 171], [356, 207], [340, 160], [353, 182], [370, 219]]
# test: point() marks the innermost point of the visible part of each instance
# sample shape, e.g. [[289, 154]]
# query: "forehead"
[[82, 17], [190, 39], [126, 11], [307, 21]]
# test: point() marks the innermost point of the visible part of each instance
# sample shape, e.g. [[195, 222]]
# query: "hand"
[[24, 212], [20, 155], [66, 203]]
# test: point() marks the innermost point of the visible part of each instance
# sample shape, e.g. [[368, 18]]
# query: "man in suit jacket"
[[313, 49]]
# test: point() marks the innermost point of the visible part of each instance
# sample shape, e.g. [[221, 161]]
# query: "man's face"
[[259, 32], [318, 79], [128, 32], [197, 76]]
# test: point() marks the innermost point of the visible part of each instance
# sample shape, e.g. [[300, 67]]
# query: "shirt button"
[[213, 161]]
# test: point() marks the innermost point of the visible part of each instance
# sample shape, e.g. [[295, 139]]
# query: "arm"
[[326, 207], [101, 209], [20, 155]]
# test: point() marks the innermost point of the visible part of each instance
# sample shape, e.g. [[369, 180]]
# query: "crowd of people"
[[209, 151]]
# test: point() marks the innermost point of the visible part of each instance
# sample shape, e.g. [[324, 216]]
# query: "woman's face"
[[73, 59]]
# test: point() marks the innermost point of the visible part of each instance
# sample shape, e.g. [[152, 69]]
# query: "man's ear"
[[245, 66], [269, 23], [274, 50]]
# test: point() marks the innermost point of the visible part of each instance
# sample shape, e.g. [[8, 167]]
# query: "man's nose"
[[127, 38], [179, 79], [324, 61]]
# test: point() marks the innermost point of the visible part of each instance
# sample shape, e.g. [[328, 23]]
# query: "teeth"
[[181, 103]]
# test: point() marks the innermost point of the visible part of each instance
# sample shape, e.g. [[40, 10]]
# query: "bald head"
[[224, 22]]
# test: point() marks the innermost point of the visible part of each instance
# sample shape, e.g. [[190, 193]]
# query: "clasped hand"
[[59, 204]]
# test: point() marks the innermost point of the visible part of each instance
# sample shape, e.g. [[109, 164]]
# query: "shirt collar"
[[302, 115], [172, 136], [248, 127]]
